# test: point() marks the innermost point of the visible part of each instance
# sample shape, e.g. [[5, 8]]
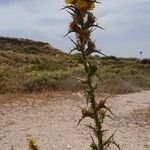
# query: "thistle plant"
[[82, 25]]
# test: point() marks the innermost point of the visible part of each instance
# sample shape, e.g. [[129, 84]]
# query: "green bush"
[[6, 72], [37, 81], [145, 61]]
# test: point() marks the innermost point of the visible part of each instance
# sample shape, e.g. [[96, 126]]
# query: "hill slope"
[[31, 66], [26, 46], [27, 65]]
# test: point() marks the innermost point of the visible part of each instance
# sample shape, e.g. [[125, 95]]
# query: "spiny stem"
[[83, 24]]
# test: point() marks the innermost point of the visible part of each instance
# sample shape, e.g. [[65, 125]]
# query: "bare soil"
[[52, 119]]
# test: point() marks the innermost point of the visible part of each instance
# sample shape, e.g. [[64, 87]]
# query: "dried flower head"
[[84, 34], [87, 112], [73, 26], [91, 19], [69, 1], [91, 45]]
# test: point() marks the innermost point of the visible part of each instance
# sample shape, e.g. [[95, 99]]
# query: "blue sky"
[[127, 24]]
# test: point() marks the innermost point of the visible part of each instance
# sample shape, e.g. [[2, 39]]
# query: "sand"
[[52, 119]]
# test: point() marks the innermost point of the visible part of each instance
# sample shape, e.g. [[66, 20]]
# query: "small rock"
[[68, 147]]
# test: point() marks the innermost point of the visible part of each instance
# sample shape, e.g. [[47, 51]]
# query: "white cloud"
[[126, 22]]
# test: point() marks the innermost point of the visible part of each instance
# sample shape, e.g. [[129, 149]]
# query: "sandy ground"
[[52, 119]]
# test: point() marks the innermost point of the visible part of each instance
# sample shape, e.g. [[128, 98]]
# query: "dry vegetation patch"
[[46, 68]]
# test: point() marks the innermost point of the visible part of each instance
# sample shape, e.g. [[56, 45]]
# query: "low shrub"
[[31, 50], [119, 86], [145, 61], [110, 58], [37, 81]]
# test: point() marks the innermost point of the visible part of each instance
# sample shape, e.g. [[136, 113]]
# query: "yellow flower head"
[[33, 144], [81, 5], [84, 5], [91, 6], [69, 1]]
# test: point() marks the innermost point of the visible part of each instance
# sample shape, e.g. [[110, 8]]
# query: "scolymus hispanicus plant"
[[83, 23]]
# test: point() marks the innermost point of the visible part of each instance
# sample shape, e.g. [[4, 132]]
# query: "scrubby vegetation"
[[46, 68]]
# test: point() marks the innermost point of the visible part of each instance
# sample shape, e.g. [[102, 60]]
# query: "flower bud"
[[73, 26]]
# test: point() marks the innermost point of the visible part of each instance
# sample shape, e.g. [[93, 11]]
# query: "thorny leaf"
[[69, 7], [90, 127], [86, 112], [107, 108], [93, 145], [67, 33], [74, 49], [72, 14], [116, 145], [109, 140], [72, 41], [97, 26]]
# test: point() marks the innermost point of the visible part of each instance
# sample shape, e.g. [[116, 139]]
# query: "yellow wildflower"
[[33, 145], [69, 1], [91, 6], [84, 5], [81, 5]]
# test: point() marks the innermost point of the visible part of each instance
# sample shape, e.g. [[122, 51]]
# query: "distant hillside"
[[33, 66], [26, 46], [27, 65]]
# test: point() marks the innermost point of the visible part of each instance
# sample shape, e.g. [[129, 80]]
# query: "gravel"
[[52, 119]]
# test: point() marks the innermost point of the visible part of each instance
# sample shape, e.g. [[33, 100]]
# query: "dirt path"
[[52, 119]]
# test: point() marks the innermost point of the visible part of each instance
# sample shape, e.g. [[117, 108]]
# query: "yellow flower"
[[84, 5], [33, 145], [81, 5], [91, 6], [69, 1]]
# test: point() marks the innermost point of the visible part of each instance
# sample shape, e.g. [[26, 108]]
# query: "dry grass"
[[45, 68]]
